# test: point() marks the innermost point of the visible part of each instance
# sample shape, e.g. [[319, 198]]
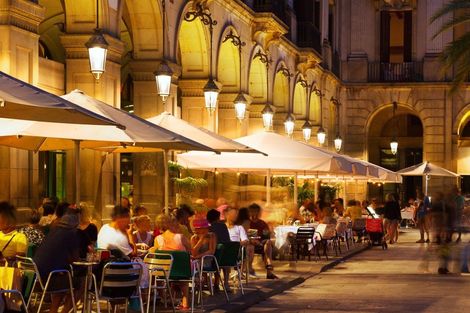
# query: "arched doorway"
[[463, 160], [407, 127]]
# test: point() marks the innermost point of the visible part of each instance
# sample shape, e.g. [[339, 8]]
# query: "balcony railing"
[[395, 72], [308, 36]]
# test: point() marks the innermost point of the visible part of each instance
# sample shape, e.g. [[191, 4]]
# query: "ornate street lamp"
[[163, 73], [267, 113], [97, 49], [338, 140], [394, 142], [289, 122], [321, 136], [307, 130], [240, 101], [211, 90]]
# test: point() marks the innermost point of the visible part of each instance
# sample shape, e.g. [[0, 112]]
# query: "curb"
[[242, 303]]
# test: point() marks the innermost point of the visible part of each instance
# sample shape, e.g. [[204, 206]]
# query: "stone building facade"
[[365, 53]]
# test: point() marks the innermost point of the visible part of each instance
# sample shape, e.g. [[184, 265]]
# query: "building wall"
[[134, 29]]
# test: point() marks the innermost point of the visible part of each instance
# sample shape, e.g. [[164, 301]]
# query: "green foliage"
[[457, 53], [174, 168], [189, 184], [305, 193]]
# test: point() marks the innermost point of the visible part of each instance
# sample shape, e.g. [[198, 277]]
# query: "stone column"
[[19, 21], [99, 173]]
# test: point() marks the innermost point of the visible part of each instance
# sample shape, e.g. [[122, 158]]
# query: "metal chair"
[[212, 269], [119, 282], [228, 257], [327, 233], [160, 265], [182, 271], [13, 292], [304, 241], [27, 265]]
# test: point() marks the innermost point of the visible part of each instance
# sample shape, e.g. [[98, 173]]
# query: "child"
[[143, 236], [203, 242]]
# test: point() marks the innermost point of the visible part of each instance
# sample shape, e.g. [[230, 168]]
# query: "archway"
[[257, 81], [193, 50], [300, 101], [281, 91], [315, 109], [463, 157], [228, 69], [407, 127]]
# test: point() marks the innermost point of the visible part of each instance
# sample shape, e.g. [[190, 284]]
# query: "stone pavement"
[[400, 279]]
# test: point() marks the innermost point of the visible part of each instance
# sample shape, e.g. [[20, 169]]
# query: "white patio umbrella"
[[20, 100], [193, 138], [42, 136], [282, 156], [427, 169]]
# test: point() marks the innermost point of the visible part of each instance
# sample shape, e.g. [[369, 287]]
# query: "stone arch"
[[193, 47], [462, 118], [143, 19], [300, 98], [257, 87], [228, 62], [50, 30], [315, 109], [281, 88]]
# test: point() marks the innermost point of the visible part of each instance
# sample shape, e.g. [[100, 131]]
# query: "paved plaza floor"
[[401, 279]]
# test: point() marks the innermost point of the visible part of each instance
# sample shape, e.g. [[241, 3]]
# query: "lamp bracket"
[[201, 13], [236, 40], [263, 57]]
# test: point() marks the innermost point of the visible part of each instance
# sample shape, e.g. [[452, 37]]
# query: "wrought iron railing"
[[308, 36], [395, 72]]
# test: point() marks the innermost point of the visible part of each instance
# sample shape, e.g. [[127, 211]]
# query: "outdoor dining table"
[[88, 278], [281, 232]]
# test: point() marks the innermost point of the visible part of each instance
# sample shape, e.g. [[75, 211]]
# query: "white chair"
[[159, 265]]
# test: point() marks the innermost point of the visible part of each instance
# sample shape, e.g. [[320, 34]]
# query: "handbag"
[[11, 278]]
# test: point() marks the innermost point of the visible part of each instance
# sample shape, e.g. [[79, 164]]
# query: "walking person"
[[392, 216], [421, 215]]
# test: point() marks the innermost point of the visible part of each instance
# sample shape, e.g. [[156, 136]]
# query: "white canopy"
[[199, 134], [427, 170], [282, 155], [20, 100]]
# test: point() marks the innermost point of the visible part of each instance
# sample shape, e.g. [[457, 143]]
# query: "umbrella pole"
[[76, 145], [166, 178], [316, 190], [268, 187], [426, 179], [296, 188]]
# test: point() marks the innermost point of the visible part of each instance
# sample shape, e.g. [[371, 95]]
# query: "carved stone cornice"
[[267, 29], [22, 14], [74, 45], [394, 4], [307, 60]]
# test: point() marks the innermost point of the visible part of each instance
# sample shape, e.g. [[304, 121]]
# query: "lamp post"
[[163, 73], [97, 49], [267, 112], [338, 140], [211, 90], [394, 142], [289, 122], [240, 101], [307, 127]]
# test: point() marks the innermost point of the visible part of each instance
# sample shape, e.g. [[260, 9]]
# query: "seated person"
[[59, 249], [143, 237], [12, 242], [113, 236], [263, 245], [353, 210], [203, 241], [217, 227], [183, 213], [33, 231], [171, 240], [47, 215]]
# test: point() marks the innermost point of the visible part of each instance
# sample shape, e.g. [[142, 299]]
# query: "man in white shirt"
[[113, 236]]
